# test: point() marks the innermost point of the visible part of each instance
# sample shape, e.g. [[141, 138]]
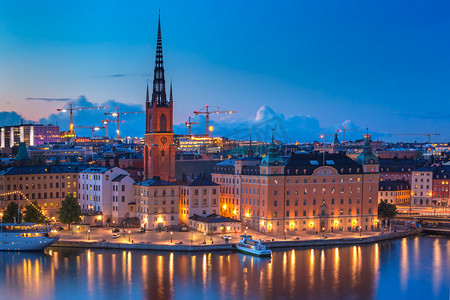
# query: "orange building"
[[306, 192]]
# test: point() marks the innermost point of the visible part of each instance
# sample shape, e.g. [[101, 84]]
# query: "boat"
[[26, 237], [249, 246]]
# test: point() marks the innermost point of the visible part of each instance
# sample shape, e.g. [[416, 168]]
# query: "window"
[[275, 203], [274, 214]]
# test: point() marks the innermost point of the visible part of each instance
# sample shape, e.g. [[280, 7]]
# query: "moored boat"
[[249, 246], [25, 237]]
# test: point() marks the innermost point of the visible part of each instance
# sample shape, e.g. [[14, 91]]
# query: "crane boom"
[[93, 128], [71, 109], [206, 111], [189, 123], [344, 130], [117, 115]]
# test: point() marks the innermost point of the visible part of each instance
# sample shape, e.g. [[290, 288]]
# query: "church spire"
[[159, 84], [147, 98], [171, 95]]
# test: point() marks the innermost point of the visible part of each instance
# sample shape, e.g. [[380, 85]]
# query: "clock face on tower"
[[163, 140]]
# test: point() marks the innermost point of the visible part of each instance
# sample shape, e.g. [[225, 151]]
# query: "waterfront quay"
[[196, 241]]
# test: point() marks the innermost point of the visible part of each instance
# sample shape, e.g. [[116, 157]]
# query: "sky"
[[310, 66]]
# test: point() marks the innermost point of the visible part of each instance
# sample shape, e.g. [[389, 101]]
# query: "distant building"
[[397, 169], [48, 185], [31, 135], [421, 186], [198, 196], [441, 185], [394, 192]]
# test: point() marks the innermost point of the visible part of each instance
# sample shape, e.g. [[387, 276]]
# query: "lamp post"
[[323, 232], [89, 234], [204, 237], [129, 236], [285, 232], [171, 237]]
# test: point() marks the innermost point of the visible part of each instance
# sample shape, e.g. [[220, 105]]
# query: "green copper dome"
[[367, 157], [273, 157], [22, 153]]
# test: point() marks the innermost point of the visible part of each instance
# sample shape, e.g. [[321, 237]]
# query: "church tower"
[[159, 149]]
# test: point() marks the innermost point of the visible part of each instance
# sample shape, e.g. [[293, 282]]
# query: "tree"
[[70, 211], [33, 214], [386, 210], [11, 213]]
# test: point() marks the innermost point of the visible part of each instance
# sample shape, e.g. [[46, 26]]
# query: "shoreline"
[[229, 247]]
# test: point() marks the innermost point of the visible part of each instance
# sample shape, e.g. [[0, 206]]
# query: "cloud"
[[301, 128], [133, 125], [47, 99], [119, 75], [8, 118]]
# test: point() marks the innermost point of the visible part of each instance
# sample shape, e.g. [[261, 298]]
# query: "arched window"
[[163, 123]]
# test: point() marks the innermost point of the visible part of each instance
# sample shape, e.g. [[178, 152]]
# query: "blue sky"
[[381, 64]]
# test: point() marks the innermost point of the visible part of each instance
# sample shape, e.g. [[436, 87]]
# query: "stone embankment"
[[226, 247]]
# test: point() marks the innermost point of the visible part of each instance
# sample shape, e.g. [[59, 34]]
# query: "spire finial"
[[170, 95], [273, 133], [159, 84]]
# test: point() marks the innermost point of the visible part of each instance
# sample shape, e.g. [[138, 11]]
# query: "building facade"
[[396, 192], [48, 185], [98, 196], [421, 186], [199, 196], [157, 203], [31, 135], [306, 192]]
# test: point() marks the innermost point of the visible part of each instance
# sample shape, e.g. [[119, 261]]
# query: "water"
[[410, 268]]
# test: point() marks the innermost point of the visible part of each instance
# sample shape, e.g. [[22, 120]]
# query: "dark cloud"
[[47, 99], [8, 118]]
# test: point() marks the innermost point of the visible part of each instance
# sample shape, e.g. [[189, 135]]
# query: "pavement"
[[193, 237]]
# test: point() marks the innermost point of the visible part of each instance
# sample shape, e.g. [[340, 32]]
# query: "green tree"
[[386, 210], [11, 213], [70, 211], [33, 214]]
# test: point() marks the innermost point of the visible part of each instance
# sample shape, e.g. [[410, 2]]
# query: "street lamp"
[[171, 237], [285, 232], [204, 237], [323, 232], [129, 235], [89, 234]]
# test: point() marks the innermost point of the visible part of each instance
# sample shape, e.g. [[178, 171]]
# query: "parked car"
[[227, 237], [116, 235], [59, 228], [141, 230], [115, 230]]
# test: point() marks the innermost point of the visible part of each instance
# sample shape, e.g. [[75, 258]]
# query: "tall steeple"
[[147, 98], [170, 95], [159, 84]]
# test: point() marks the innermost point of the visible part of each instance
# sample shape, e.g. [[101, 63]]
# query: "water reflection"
[[364, 272]]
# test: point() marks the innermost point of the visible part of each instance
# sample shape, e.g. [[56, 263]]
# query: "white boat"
[[249, 246], [25, 237]]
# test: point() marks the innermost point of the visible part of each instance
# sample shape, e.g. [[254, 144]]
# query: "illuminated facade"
[[31, 135], [395, 192], [157, 203], [199, 144], [48, 185], [307, 192]]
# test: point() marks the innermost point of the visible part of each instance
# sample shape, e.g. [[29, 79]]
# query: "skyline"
[[366, 65]]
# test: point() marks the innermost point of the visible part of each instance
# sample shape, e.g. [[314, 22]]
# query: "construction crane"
[[106, 123], [117, 115], [344, 130], [93, 128], [71, 109], [189, 123], [427, 134], [215, 110]]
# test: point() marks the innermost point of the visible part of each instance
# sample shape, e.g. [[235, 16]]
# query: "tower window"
[[163, 123]]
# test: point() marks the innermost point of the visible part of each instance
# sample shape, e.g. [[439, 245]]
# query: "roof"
[[306, 163], [367, 157], [22, 170], [228, 162], [213, 218], [119, 178], [393, 185], [155, 181], [200, 181], [97, 169]]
